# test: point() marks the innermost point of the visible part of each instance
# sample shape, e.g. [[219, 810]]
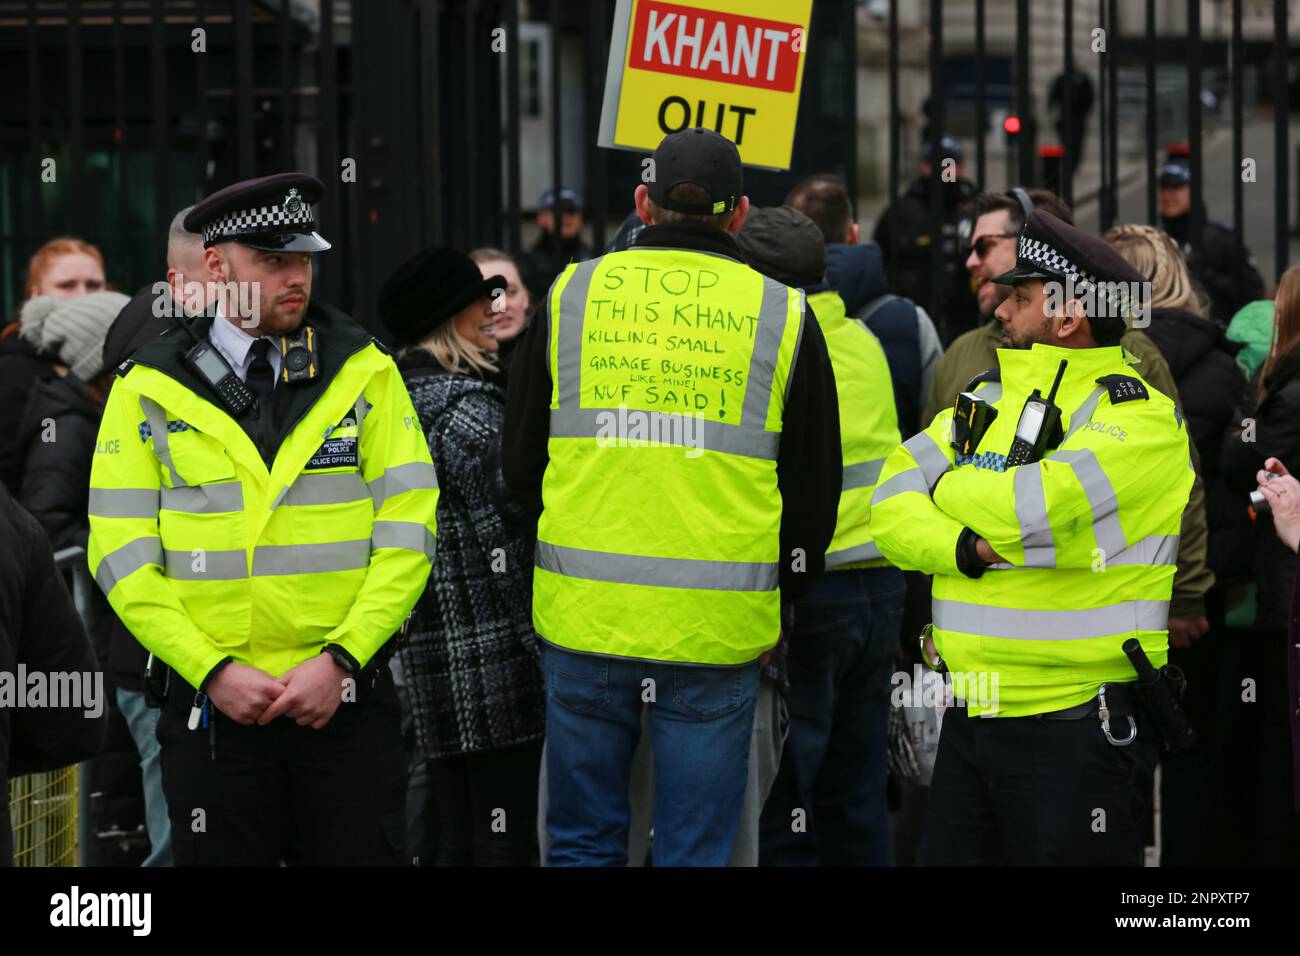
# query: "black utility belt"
[[1121, 700]]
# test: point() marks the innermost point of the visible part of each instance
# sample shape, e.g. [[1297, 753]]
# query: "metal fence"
[[421, 118], [1134, 102]]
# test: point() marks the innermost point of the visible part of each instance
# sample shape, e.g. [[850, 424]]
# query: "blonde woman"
[[1210, 384], [469, 664]]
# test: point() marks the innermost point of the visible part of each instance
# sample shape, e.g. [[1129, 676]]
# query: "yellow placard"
[[734, 66]]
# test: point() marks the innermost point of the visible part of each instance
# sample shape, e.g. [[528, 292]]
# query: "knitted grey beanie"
[[73, 329]]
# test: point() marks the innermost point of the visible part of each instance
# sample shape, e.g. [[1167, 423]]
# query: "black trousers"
[[256, 796], [486, 805], [1029, 791]]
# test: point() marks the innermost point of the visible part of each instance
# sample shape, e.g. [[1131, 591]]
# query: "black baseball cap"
[[1175, 174], [702, 158]]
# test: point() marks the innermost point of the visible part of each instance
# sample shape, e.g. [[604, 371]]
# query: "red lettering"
[[709, 45]]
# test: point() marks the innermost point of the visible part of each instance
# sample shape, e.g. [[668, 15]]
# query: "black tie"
[[261, 377]]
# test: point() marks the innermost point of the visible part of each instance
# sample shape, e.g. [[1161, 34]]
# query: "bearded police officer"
[[1052, 542], [262, 519], [675, 411]]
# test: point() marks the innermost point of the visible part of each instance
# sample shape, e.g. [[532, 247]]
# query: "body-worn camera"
[[299, 362]]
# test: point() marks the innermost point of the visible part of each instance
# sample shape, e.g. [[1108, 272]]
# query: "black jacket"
[[1211, 386], [1214, 266], [39, 629], [546, 258], [21, 367], [809, 467], [57, 435], [1276, 420]]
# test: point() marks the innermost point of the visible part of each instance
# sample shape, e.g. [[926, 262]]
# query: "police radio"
[[207, 363], [1039, 426]]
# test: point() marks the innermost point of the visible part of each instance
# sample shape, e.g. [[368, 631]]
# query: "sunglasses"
[[981, 247]]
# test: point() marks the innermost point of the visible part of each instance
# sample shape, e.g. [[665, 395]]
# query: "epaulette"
[[993, 374], [125, 367], [1124, 388]]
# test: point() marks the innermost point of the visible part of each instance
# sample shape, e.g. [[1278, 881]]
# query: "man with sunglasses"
[[999, 219]]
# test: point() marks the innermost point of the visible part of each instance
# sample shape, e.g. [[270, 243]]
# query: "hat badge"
[[293, 202]]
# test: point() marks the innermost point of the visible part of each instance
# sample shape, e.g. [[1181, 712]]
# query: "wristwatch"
[[341, 658]]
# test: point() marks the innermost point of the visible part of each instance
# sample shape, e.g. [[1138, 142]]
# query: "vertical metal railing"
[[158, 80], [981, 106], [1238, 186], [76, 118], [514, 240], [1281, 138], [1024, 102], [202, 113], [895, 121], [595, 51], [936, 151], [327, 141], [557, 136], [1150, 152], [1196, 218], [243, 107], [1112, 113]]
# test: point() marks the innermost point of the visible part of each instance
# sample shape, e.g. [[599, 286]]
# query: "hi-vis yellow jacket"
[[1089, 534], [659, 536], [868, 426], [206, 555]]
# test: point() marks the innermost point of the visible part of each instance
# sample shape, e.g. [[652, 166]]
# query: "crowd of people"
[[522, 745]]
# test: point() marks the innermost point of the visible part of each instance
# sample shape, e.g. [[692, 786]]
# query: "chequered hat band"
[[247, 222], [1043, 256]]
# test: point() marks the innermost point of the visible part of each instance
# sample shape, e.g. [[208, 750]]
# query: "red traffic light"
[[1011, 124]]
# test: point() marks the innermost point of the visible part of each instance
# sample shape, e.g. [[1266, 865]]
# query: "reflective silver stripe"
[[772, 315], [1031, 513], [909, 480], [1023, 625], [309, 489], [989, 391], [798, 341], [862, 552], [124, 502], [311, 558], [749, 438], [568, 351], [1153, 549], [862, 475], [1083, 414], [361, 408], [201, 565], [204, 499], [403, 534], [657, 572], [412, 476], [1101, 497], [132, 556], [705, 434], [928, 456], [157, 419]]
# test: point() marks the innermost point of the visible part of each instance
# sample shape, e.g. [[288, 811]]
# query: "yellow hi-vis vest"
[[868, 426], [659, 537], [1089, 534], [205, 555]]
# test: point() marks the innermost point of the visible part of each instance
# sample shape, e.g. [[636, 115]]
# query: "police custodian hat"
[[272, 213], [1052, 250]]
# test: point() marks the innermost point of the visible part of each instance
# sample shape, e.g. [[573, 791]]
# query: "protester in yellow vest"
[[262, 510], [845, 635], [1051, 545], [672, 415]]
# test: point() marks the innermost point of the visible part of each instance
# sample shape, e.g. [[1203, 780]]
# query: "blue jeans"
[[701, 719], [836, 756], [143, 724]]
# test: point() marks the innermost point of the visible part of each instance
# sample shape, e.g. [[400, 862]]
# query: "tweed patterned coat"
[[470, 654]]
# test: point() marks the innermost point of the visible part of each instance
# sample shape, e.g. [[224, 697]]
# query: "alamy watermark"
[[927, 688], [1102, 300], [631, 428], [26, 689], [243, 299]]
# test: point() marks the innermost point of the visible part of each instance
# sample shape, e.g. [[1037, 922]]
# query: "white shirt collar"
[[236, 344]]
